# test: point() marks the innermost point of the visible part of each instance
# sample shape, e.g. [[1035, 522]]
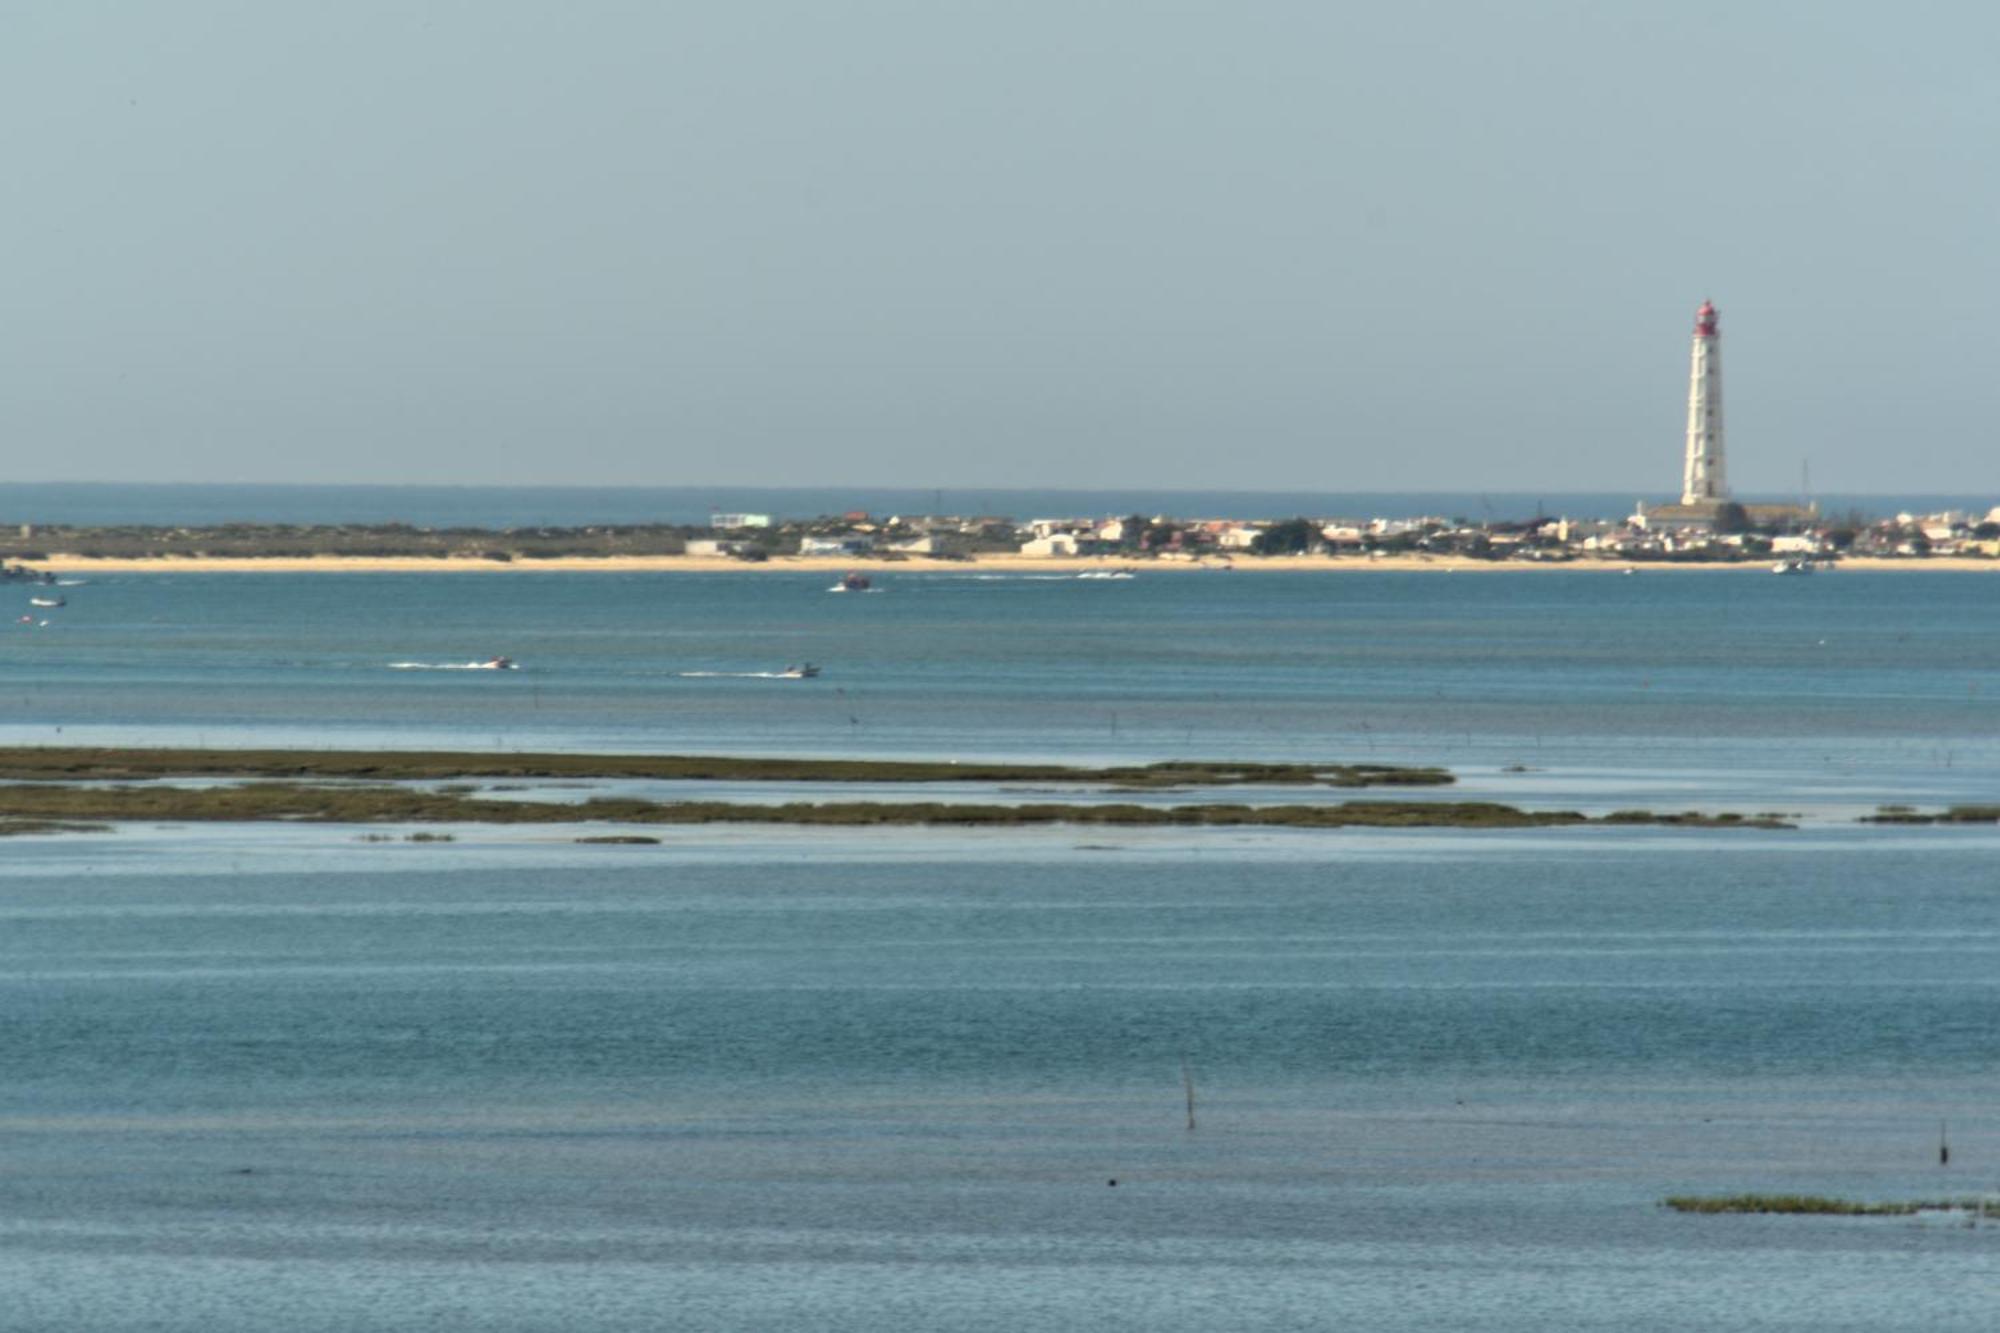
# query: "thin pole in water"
[[1944, 1147], [1187, 1082]]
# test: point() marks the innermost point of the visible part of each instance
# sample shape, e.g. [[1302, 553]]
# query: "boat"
[[1105, 574], [495, 664], [803, 671], [48, 601], [1793, 567], [852, 581]]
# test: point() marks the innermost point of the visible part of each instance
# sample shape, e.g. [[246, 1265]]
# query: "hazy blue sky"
[[1253, 243]]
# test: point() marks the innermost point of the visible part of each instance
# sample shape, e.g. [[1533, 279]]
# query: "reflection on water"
[[273, 1075], [1854, 680], [789, 1078]]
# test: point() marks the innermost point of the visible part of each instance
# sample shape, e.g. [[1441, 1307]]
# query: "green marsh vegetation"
[[1697, 819], [1814, 1205], [32, 763], [63, 785], [1956, 814], [265, 801], [11, 826]]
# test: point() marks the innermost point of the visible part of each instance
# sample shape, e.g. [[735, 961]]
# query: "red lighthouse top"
[[1704, 320]]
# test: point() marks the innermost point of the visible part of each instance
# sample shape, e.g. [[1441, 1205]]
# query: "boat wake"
[[747, 675], [1093, 574], [499, 664]]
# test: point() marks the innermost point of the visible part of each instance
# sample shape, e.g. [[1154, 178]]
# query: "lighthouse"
[[1703, 480]]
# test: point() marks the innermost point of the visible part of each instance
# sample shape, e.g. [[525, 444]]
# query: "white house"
[[1342, 534], [1240, 537], [845, 544]]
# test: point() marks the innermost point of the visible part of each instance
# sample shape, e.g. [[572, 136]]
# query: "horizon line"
[[764, 487]]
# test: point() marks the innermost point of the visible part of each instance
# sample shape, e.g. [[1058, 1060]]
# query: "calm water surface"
[[751, 1079], [166, 505]]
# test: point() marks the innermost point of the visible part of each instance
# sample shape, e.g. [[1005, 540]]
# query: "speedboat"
[[496, 664], [48, 601], [852, 581], [1792, 567], [803, 671]]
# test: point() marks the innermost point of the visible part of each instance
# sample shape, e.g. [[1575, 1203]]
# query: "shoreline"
[[60, 563]]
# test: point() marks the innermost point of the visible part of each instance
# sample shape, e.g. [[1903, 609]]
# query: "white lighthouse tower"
[[1703, 480]]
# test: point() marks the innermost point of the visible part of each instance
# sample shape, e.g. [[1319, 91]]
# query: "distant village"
[[1662, 533]]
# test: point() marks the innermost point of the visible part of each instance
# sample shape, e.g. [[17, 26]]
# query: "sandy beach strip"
[[987, 564]]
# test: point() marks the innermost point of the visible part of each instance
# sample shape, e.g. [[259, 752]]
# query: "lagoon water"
[[760, 1079]]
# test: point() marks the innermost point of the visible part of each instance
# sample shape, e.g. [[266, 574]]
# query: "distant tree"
[[1294, 536], [1731, 518]]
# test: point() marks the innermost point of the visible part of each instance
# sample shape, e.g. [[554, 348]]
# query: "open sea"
[[160, 504], [279, 1077]]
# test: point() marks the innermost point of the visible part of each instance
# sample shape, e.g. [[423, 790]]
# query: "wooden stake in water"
[[1187, 1082], [1944, 1147]]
